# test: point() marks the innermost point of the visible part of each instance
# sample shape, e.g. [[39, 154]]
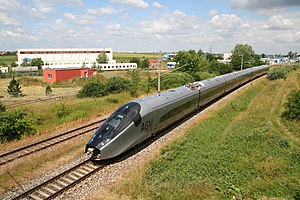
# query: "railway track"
[[46, 143], [62, 182]]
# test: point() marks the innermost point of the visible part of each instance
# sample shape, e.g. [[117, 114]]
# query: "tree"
[[25, 62], [48, 90], [242, 56], [15, 124], [144, 63], [13, 64], [93, 89], [37, 62], [135, 79], [102, 58], [135, 60], [117, 84], [189, 61], [14, 88]]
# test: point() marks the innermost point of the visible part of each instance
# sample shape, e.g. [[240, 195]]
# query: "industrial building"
[[65, 57], [58, 58]]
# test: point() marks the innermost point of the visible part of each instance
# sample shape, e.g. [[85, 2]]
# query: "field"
[[8, 59], [243, 150]]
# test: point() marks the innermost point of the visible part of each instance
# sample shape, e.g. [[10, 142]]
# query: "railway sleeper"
[[49, 190], [55, 186], [81, 172], [35, 197]]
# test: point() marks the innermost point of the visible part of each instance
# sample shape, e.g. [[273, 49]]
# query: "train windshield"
[[116, 123]]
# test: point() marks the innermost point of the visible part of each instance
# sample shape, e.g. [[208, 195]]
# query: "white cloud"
[[8, 20], [72, 2], [102, 10], [82, 19], [172, 23], [213, 13], [136, 3], [113, 27], [15, 35], [291, 37], [277, 22], [226, 21], [157, 5]]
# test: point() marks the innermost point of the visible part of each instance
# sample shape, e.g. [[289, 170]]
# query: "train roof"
[[162, 98]]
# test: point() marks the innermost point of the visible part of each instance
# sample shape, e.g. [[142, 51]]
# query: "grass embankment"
[[243, 150]]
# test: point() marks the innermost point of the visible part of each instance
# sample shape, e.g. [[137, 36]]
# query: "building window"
[[49, 76]]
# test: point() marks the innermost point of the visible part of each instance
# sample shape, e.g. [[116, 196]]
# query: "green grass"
[[243, 150], [77, 109], [8, 59]]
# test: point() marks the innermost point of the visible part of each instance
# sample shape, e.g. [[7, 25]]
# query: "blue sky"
[[269, 26]]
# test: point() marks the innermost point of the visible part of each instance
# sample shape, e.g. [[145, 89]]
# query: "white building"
[[226, 58], [65, 57]]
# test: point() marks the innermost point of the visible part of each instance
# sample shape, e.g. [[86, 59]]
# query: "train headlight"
[[90, 151]]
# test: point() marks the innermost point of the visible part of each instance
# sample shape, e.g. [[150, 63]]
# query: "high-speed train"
[[138, 120]]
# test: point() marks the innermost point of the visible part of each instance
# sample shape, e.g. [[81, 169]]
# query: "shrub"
[[203, 75], [292, 106], [2, 107], [279, 73], [14, 88], [112, 100], [62, 111], [15, 124], [92, 89], [135, 80], [117, 85], [173, 80], [48, 90]]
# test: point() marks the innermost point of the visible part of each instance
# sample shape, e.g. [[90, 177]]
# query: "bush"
[[15, 124], [282, 72], [48, 90], [92, 89], [112, 100], [14, 88], [2, 107], [292, 106], [279, 73], [173, 80], [62, 111], [203, 75], [117, 84]]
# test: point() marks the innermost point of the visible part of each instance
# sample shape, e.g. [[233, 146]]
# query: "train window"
[[116, 120]]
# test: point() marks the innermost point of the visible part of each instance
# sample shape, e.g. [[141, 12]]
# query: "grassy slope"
[[242, 150]]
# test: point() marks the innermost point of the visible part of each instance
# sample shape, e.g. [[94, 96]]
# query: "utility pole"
[[158, 78], [242, 61]]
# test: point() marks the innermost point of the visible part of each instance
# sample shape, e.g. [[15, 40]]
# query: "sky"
[[269, 26]]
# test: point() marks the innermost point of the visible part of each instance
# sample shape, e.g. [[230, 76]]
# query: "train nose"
[[93, 152]]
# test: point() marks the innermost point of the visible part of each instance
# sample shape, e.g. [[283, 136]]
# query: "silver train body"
[[138, 120]]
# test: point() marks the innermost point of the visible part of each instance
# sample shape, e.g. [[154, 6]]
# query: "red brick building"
[[153, 63], [57, 75]]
